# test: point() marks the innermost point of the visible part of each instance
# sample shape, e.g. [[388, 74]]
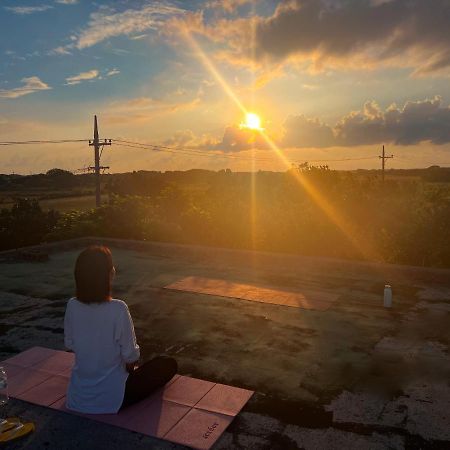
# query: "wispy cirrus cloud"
[[83, 76], [144, 109], [25, 10], [30, 85], [227, 5], [112, 72], [138, 37], [67, 2], [59, 51], [105, 24]]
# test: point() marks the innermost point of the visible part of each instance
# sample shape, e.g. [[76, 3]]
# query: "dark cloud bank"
[[415, 122], [365, 31]]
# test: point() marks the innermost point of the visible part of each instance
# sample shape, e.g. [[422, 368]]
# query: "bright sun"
[[252, 121]]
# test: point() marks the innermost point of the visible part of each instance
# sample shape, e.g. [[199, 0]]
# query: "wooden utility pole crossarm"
[[97, 143]]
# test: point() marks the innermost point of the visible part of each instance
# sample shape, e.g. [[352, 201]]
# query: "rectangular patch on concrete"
[[306, 299], [187, 411]]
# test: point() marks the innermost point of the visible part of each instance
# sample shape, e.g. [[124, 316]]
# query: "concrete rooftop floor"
[[354, 376]]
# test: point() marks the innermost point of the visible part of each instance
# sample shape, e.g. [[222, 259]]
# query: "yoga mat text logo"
[[210, 430]]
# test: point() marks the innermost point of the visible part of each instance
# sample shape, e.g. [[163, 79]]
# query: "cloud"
[[138, 37], [415, 122], [14, 55], [181, 138], [105, 23], [67, 2], [59, 51], [112, 72], [143, 109], [136, 104], [237, 139], [337, 34], [25, 10], [83, 76], [233, 140], [30, 85], [301, 131], [361, 33], [412, 124], [310, 87], [227, 5]]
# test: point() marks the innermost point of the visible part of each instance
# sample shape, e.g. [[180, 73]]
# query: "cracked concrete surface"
[[354, 376]]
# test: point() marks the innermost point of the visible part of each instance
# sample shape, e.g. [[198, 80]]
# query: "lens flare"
[[252, 122], [366, 249]]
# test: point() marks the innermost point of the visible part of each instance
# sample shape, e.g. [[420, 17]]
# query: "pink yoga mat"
[[186, 411]]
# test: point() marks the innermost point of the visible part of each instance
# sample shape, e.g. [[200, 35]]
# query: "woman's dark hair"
[[93, 274]]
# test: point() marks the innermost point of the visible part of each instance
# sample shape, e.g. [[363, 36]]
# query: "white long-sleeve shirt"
[[103, 340]]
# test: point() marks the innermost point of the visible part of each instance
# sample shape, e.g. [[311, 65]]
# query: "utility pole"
[[383, 158], [96, 143]]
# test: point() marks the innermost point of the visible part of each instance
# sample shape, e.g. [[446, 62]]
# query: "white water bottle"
[[387, 296], [3, 387]]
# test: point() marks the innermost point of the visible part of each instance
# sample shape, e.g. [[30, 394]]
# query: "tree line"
[[306, 210]]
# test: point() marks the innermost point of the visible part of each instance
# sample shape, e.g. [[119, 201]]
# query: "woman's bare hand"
[[131, 367]]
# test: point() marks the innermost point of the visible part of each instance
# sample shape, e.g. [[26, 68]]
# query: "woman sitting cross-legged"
[[98, 328]]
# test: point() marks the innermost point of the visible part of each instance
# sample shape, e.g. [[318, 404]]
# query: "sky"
[[331, 81]]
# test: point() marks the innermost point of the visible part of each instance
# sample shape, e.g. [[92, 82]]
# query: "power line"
[[197, 151], [184, 149], [343, 159], [157, 146], [56, 141], [192, 153], [187, 150]]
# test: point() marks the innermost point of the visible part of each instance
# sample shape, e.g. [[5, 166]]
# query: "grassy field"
[[63, 204], [77, 193]]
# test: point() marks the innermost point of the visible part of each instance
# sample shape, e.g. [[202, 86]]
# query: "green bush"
[[310, 211], [25, 224]]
